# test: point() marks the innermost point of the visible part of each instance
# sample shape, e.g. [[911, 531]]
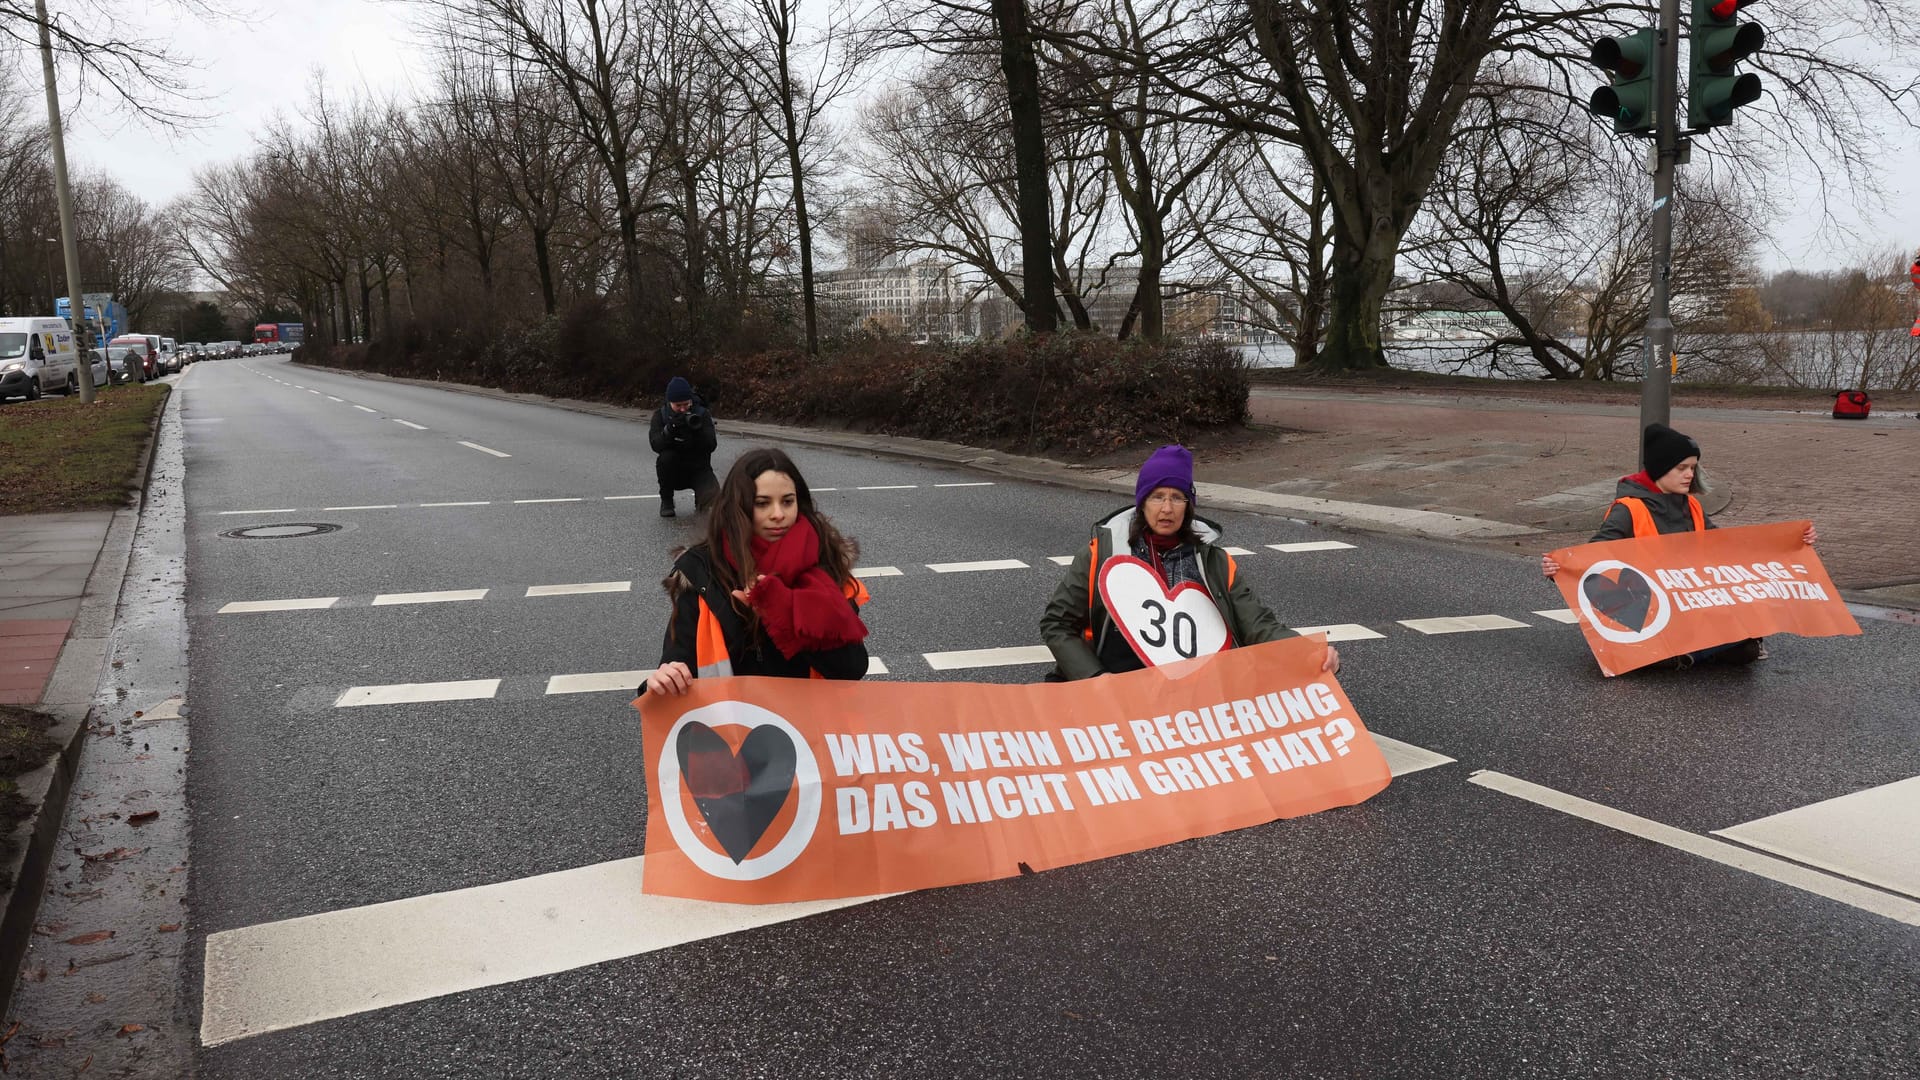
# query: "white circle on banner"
[[806, 778], [1657, 596], [1162, 627]]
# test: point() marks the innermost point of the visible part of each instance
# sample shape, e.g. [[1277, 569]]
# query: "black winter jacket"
[[684, 441]]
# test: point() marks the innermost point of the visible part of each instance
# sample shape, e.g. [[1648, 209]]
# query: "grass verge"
[[62, 455]]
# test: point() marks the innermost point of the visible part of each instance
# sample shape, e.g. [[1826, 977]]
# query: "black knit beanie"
[[1661, 448]]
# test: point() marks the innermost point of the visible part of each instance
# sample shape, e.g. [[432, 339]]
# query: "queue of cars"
[[39, 356]]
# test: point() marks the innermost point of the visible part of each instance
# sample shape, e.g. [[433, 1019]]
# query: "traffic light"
[[1719, 42], [1627, 99]]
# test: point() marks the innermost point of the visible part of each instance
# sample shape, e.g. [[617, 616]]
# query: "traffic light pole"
[[1654, 398]]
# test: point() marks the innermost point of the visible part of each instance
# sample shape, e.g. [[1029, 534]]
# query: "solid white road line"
[[411, 424], [285, 974], [1060, 560], [583, 587], [598, 682], [886, 487], [1312, 545], [876, 571], [1560, 615], [483, 449], [1238, 551], [1463, 624], [1403, 757], [823, 489], [311, 603], [976, 483], [1345, 631], [617, 498], [974, 567], [423, 505], [1850, 893], [284, 510], [445, 596], [407, 693], [518, 501], [363, 408], [982, 658], [376, 506], [1868, 835]]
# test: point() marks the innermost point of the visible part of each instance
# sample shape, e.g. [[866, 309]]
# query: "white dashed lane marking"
[[524, 501], [484, 449], [413, 693], [876, 571], [598, 682], [363, 408], [1463, 624], [581, 588], [283, 510], [376, 506], [311, 603], [1341, 632], [446, 596], [411, 424], [1311, 545], [985, 658], [976, 567], [1560, 615]]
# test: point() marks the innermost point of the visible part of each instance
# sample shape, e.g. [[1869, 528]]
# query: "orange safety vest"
[[1093, 592], [710, 655], [1643, 518]]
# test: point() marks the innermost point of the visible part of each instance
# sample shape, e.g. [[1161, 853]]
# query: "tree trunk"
[[1022, 72], [803, 225], [543, 261], [1357, 288]]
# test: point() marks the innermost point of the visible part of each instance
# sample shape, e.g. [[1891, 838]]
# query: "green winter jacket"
[[1076, 623]]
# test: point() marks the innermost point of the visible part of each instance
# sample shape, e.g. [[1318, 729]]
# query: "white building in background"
[[1447, 326], [923, 300]]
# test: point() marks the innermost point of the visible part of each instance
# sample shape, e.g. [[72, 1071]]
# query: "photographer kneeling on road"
[[683, 437]]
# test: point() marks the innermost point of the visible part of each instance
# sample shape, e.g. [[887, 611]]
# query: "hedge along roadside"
[[1082, 393]]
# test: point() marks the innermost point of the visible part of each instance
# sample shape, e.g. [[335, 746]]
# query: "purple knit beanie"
[[1169, 466]]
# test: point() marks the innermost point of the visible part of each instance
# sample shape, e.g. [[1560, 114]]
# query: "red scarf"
[[799, 603]]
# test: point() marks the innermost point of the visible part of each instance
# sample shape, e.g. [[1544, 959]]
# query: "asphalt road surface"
[[433, 696]]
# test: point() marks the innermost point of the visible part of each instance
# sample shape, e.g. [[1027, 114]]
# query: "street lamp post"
[[77, 311]]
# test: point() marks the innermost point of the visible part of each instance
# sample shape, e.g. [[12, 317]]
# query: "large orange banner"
[[767, 790], [1644, 600]]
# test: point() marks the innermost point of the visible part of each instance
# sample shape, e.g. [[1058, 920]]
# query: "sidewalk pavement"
[[1552, 466], [45, 560]]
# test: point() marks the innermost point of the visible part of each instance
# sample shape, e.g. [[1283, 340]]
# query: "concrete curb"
[[1364, 517], [69, 697]]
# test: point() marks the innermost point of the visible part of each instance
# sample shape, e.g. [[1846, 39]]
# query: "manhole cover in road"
[[279, 532]]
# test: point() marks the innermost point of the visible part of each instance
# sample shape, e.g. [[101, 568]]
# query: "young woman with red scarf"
[[1161, 530], [770, 591]]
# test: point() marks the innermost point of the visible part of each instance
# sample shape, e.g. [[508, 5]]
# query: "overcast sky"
[[258, 65]]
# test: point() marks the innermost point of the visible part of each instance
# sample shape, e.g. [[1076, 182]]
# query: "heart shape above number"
[[1162, 627], [739, 793], [1625, 598]]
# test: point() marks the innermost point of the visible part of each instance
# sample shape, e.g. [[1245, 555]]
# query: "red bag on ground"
[[1851, 405]]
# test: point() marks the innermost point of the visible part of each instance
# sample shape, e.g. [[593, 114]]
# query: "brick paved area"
[[1552, 465]]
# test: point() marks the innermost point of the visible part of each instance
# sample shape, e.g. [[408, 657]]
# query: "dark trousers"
[[677, 476]]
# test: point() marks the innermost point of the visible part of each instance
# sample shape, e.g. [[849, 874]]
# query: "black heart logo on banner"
[[1625, 599], [738, 793]]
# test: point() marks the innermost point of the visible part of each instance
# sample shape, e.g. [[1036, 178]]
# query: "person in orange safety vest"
[[1658, 500], [769, 591]]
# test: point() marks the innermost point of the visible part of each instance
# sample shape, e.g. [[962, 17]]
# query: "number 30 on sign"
[[1162, 627]]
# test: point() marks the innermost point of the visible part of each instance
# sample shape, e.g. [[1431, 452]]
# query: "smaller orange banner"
[[1647, 599], [768, 790]]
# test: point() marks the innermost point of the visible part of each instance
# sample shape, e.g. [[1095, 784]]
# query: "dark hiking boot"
[[666, 506]]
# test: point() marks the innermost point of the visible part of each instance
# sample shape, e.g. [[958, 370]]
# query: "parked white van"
[[37, 355]]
